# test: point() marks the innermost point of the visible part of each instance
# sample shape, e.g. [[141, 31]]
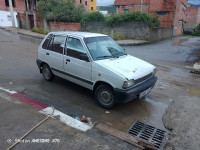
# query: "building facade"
[[172, 13], [90, 5], [193, 18], [24, 10]]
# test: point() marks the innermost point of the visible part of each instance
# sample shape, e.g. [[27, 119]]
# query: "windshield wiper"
[[104, 57], [121, 54]]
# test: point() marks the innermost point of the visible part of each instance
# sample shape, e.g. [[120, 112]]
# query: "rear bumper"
[[123, 96]]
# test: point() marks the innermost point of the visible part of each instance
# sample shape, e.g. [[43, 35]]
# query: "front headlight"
[[154, 71], [128, 84]]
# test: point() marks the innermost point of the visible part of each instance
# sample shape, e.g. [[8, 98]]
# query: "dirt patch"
[[182, 118]]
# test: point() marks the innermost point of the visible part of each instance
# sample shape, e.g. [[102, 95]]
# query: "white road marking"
[[7, 90], [67, 119]]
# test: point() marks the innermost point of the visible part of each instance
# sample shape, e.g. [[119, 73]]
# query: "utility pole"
[[11, 13]]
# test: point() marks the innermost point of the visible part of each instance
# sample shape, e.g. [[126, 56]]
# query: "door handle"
[[67, 60], [47, 53]]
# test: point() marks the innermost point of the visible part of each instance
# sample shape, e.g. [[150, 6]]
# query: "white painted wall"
[[5, 19]]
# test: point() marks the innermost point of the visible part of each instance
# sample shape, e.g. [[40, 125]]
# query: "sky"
[[110, 2], [194, 2], [105, 2]]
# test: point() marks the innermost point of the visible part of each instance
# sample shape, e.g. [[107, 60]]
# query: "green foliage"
[[39, 30], [91, 17], [198, 27], [133, 17], [117, 36], [61, 10], [196, 33]]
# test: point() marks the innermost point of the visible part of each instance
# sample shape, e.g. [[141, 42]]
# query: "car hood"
[[128, 66]]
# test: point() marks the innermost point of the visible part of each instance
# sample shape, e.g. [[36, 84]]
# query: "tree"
[[61, 10]]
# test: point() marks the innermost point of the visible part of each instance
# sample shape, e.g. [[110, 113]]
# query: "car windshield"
[[103, 47]]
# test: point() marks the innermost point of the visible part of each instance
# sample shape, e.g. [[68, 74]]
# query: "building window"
[[80, 1], [7, 3], [92, 8], [85, 2], [162, 13], [126, 10]]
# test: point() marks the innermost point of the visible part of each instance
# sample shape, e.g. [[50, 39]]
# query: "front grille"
[[155, 136], [140, 80]]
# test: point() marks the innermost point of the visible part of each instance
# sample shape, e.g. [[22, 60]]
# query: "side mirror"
[[84, 57]]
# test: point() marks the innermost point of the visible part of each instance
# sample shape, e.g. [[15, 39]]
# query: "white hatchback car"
[[97, 62]]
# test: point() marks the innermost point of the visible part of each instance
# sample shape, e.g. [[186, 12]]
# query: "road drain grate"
[[195, 72], [149, 133]]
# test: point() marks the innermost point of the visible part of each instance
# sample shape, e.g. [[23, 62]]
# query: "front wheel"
[[47, 73], [105, 97]]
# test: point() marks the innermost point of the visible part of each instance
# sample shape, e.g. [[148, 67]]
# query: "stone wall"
[[129, 30], [157, 34]]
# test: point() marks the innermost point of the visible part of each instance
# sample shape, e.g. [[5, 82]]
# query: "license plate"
[[142, 94]]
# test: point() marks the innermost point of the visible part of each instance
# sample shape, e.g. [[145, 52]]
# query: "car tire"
[[104, 96], [47, 73]]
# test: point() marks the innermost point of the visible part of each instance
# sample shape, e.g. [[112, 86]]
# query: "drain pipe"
[[12, 146]]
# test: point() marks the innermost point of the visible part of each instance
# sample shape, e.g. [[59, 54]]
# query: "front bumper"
[[39, 64], [123, 96]]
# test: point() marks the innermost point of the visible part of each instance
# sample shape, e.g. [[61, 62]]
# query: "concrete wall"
[[157, 34], [137, 30], [129, 30], [64, 26], [6, 20]]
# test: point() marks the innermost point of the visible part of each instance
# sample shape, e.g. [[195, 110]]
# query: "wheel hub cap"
[[106, 96]]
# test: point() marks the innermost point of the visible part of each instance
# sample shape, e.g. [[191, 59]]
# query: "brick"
[[67, 26]]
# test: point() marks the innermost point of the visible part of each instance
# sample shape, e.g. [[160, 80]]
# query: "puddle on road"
[[179, 72], [147, 111], [194, 92], [177, 42]]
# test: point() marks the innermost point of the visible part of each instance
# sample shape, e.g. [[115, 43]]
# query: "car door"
[[55, 52], [77, 65]]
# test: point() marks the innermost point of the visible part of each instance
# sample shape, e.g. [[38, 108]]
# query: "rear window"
[[46, 42], [56, 43]]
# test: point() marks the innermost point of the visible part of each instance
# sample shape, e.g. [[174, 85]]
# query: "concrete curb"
[[34, 36], [134, 44], [19, 32], [44, 109]]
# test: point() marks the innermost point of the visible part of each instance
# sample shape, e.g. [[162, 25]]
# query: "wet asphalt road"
[[19, 72], [180, 51]]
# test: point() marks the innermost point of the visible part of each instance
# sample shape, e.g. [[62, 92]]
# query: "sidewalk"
[[17, 118], [24, 32], [41, 36]]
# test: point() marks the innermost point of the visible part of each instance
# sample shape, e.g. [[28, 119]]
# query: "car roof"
[[77, 33]]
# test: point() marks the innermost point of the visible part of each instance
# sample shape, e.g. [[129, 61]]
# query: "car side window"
[[57, 44], [75, 48], [46, 42]]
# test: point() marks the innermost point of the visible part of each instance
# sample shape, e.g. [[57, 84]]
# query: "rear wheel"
[[105, 97], [47, 73]]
